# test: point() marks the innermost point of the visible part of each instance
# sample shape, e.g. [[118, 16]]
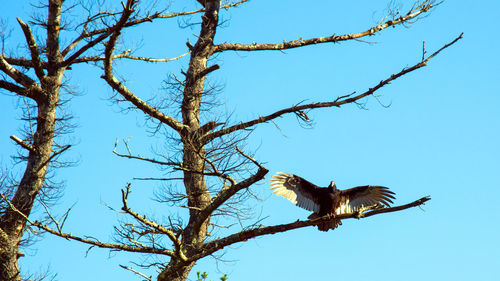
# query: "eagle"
[[329, 200]]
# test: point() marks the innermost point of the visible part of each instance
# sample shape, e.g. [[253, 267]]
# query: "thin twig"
[[129, 156], [136, 272], [170, 234]]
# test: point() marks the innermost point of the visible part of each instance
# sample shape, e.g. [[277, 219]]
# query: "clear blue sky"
[[440, 137]]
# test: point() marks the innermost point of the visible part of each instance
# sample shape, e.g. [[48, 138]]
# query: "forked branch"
[[160, 228], [122, 89], [21, 78], [148, 18], [226, 193], [92, 242]]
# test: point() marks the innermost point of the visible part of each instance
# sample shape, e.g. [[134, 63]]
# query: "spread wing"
[[364, 196], [296, 189]]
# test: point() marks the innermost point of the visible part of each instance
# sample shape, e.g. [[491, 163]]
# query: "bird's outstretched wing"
[[296, 189], [355, 198]]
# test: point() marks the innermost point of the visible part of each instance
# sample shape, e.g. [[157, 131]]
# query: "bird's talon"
[[360, 214]]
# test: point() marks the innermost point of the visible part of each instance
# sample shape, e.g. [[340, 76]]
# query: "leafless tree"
[[39, 82], [207, 154]]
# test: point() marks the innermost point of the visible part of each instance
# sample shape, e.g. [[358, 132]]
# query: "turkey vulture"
[[329, 200]]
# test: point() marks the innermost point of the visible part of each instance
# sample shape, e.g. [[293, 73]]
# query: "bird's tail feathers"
[[325, 225]]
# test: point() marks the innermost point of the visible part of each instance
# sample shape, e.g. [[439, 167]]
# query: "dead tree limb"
[[244, 235], [411, 15], [92, 242], [122, 89], [342, 100]]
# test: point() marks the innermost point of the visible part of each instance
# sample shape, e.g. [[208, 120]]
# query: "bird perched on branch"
[[329, 200]]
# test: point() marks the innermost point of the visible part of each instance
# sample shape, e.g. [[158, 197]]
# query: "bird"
[[329, 200]]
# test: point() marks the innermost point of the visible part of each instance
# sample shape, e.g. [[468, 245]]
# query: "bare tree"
[[39, 81], [207, 154]]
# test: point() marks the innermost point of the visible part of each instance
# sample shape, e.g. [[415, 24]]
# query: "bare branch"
[[444, 47], [35, 54], [152, 59], [171, 235], [126, 13], [122, 89], [11, 87], [342, 100], [19, 61], [125, 55], [219, 244], [23, 144], [136, 272], [207, 70], [75, 57], [148, 18], [214, 171], [226, 193], [208, 127], [412, 14], [130, 156], [87, 46], [416, 203], [55, 154], [22, 62], [94, 242], [249, 158], [33, 88], [158, 179]]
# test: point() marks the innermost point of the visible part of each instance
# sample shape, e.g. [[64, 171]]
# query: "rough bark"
[[12, 224], [193, 150], [45, 92]]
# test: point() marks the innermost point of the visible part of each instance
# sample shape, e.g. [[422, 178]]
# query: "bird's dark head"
[[332, 186]]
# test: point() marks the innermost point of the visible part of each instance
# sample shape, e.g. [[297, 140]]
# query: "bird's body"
[[329, 200]]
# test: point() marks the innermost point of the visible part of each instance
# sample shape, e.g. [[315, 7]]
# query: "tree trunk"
[[12, 223], [193, 150]]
